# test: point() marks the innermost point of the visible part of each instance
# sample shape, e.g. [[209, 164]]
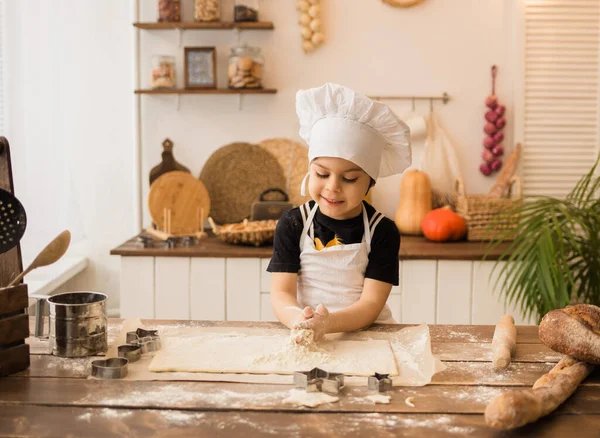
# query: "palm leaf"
[[552, 257]]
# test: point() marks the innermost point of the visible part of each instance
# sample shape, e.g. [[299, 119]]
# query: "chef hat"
[[336, 122]]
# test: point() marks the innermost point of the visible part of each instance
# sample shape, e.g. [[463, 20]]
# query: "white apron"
[[335, 276]]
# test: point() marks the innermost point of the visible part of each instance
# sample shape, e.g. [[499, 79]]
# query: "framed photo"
[[200, 67]]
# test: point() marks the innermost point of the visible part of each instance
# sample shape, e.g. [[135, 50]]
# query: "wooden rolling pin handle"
[[504, 342]]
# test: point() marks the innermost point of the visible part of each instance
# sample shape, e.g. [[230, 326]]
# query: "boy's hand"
[[318, 323], [303, 315]]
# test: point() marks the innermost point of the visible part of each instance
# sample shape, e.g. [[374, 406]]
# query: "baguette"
[[574, 331], [504, 342], [500, 189], [519, 407]]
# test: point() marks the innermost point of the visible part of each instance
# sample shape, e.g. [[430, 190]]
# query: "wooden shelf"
[[214, 25], [209, 91], [411, 248]]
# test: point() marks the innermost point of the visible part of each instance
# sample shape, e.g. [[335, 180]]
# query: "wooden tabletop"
[[411, 248], [55, 398]]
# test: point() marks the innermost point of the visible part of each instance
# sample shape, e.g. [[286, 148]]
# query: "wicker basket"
[[487, 217], [246, 233]]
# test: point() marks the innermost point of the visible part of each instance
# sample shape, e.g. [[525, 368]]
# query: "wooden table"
[[55, 398]]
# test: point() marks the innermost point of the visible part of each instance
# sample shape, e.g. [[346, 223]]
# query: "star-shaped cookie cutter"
[[318, 380], [380, 382]]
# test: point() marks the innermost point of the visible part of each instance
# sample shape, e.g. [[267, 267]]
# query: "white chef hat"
[[337, 122]]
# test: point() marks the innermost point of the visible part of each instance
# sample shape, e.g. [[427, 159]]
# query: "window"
[[558, 115]]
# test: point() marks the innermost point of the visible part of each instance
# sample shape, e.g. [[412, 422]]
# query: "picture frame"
[[200, 67]]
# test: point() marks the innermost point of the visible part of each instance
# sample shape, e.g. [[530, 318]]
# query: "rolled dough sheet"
[[195, 350]]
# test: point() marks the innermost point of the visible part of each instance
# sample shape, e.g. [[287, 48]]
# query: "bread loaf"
[[574, 331], [516, 408]]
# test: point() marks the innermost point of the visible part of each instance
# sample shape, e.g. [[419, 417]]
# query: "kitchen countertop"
[[54, 397], [411, 248]]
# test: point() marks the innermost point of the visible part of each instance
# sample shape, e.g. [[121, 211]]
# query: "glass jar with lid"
[[245, 67], [245, 10], [207, 10], [163, 72], [169, 10]]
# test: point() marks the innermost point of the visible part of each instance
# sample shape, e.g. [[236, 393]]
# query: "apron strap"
[[307, 225], [304, 211], [367, 231], [374, 225]]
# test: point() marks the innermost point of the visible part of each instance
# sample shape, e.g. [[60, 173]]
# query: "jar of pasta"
[[169, 10], [245, 67], [207, 10], [163, 72]]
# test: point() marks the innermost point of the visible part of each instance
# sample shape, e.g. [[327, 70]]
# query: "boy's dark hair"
[[371, 184]]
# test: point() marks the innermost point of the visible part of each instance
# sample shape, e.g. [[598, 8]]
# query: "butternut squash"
[[415, 202]]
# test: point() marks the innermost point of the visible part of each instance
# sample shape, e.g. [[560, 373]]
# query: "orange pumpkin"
[[443, 225]]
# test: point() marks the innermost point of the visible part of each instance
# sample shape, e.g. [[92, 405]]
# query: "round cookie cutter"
[[113, 368]]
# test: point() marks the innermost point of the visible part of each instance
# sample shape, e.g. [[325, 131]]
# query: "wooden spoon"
[[50, 254]]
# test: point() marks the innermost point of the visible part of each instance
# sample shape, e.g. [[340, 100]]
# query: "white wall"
[[374, 48], [70, 126], [71, 122]]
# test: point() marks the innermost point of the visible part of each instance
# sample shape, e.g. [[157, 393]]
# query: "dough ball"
[[303, 336]]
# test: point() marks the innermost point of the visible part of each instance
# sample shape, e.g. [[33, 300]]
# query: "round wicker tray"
[[246, 232], [235, 176], [293, 158]]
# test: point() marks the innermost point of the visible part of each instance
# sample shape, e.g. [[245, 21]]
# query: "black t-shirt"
[[385, 242]]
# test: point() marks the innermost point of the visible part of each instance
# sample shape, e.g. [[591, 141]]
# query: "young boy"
[[335, 258]]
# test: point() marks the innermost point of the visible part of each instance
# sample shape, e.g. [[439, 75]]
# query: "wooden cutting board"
[[168, 163], [184, 196]]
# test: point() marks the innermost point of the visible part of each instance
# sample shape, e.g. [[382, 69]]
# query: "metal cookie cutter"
[[147, 340], [169, 243], [141, 333], [132, 353], [144, 241], [380, 382], [147, 344], [187, 241], [317, 380], [113, 368]]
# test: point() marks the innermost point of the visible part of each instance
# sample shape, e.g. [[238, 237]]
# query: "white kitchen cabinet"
[[237, 289]]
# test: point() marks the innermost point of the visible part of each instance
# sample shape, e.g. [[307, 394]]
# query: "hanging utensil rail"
[[445, 98]]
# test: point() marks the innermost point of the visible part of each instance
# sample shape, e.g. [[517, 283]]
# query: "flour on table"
[[309, 399], [194, 350], [379, 399]]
